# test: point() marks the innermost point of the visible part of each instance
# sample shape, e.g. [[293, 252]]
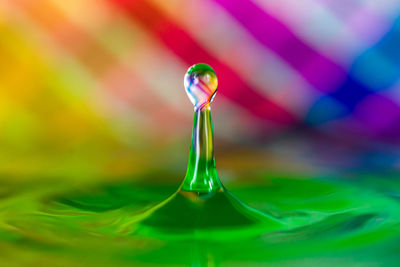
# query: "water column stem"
[[201, 175]]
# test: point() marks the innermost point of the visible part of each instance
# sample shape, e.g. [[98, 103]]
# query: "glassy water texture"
[[325, 222]]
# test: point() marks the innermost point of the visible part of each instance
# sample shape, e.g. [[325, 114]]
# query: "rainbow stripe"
[[289, 65]]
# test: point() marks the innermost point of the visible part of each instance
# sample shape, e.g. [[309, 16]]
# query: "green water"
[[328, 223]]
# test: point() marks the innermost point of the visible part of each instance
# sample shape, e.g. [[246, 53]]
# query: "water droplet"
[[202, 204], [200, 84]]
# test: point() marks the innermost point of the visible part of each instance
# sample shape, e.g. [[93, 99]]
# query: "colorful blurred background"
[[95, 88], [95, 126]]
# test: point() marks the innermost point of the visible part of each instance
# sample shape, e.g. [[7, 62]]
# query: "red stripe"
[[207, 90], [184, 46], [86, 49]]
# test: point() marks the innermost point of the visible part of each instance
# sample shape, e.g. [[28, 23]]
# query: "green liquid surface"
[[325, 223]]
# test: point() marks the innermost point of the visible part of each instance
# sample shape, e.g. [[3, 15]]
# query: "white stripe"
[[227, 40]]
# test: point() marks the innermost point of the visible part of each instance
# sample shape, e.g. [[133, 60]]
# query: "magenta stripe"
[[189, 51], [207, 90], [321, 72]]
